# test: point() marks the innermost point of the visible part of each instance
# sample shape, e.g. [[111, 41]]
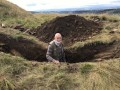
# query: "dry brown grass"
[[19, 74]]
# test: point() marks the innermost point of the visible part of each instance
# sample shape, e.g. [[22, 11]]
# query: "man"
[[55, 52]]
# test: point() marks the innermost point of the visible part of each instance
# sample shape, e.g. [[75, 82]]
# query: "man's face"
[[58, 38]]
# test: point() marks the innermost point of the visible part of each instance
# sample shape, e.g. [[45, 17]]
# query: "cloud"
[[116, 1], [33, 5]]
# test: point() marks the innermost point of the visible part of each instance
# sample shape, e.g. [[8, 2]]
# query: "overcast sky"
[[35, 5]]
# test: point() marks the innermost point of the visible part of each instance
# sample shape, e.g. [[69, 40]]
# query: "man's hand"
[[56, 62]]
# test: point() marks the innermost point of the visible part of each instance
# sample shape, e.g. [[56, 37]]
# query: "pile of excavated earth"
[[73, 28]]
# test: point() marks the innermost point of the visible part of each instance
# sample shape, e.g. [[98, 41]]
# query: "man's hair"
[[57, 34]]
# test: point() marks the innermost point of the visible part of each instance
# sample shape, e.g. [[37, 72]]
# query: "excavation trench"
[[73, 29], [22, 47], [94, 52], [32, 51]]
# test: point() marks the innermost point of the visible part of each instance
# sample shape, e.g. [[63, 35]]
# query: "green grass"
[[12, 15], [86, 68]]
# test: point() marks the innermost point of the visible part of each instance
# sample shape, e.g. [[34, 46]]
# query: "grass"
[[104, 38], [86, 68], [103, 17], [7, 85], [12, 15], [16, 34], [18, 73], [46, 17]]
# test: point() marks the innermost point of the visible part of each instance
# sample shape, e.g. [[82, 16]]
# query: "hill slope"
[[12, 15], [8, 9]]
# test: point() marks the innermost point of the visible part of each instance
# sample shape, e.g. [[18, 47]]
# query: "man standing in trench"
[[55, 52]]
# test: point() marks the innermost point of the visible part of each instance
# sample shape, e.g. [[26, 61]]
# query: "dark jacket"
[[55, 52]]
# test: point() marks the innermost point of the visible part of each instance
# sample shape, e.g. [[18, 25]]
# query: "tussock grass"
[[6, 85], [12, 15], [16, 34], [104, 38], [48, 76], [103, 17]]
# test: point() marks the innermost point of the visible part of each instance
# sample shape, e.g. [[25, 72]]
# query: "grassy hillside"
[[17, 48], [18, 74], [11, 10], [12, 15]]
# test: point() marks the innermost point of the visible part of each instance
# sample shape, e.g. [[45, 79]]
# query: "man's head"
[[58, 37]]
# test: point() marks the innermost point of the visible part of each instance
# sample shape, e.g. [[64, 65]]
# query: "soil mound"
[[73, 28]]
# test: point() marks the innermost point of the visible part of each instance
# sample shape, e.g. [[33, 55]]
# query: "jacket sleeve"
[[49, 53]]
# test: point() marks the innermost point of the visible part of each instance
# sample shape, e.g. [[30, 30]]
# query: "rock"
[[3, 25]]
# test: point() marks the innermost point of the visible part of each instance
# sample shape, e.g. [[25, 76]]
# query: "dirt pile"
[[73, 28]]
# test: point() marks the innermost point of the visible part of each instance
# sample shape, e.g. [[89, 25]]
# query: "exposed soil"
[[94, 52], [90, 52], [22, 47], [73, 28]]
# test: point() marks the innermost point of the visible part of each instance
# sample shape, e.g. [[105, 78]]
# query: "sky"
[[41, 5]]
